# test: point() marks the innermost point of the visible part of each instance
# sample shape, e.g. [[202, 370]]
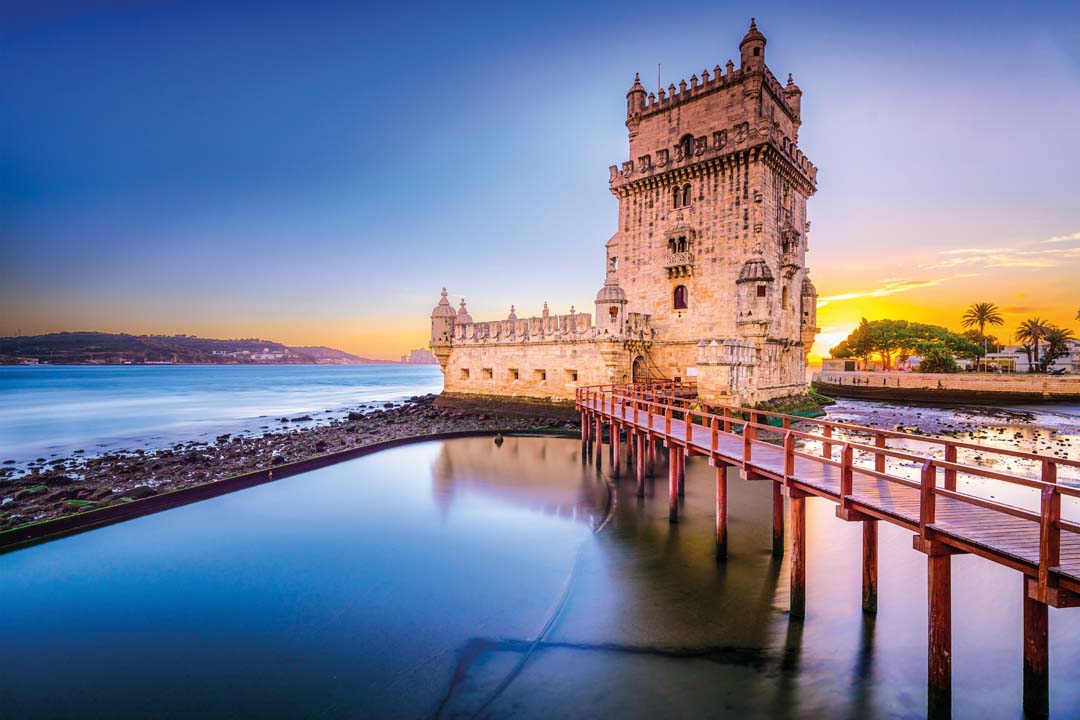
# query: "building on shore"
[[706, 276], [420, 356]]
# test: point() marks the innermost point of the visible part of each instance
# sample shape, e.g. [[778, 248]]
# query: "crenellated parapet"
[[712, 151], [573, 327]]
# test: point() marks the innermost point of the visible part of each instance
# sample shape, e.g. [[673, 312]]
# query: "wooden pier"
[[936, 504]]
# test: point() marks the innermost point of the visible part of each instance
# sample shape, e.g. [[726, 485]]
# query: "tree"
[[938, 360], [1031, 332], [979, 315], [897, 339], [1057, 346], [976, 338]]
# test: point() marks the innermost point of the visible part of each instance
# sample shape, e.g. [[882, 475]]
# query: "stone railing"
[[726, 352], [679, 259], [575, 327]]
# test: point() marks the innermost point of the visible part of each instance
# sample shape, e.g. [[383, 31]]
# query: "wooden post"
[[939, 650], [715, 428], [630, 435], [682, 454], [1036, 657], [826, 446], [721, 512], [639, 448], [673, 488], [798, 555], [869, 565], [777, 520], [584, 426], [616, 449], [599, 430], [652, 456], [789, 455], [950, 473], [927, 510], [727, 420], [879, 459], [747, 437], [667, 421], [847, 474]]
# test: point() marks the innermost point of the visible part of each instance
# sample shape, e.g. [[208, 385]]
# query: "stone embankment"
[[63, 486], [988, 388]]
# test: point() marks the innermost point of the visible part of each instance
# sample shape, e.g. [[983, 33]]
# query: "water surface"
[[460, 577]]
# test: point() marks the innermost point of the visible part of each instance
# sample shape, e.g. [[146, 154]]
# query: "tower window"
[[676, 196], [757, 52], [686, 146], [681, 298], [784, 298], [761, 290], [686, 195]]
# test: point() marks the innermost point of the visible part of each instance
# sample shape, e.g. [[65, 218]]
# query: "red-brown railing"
[[640, 404]]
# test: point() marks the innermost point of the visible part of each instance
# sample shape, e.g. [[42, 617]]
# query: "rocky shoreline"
[[48, 489]]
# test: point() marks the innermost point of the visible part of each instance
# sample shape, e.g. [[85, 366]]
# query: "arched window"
[[686, 195], [676, 197], [687, 145], [784, 298], [681, 298], [682, 243]]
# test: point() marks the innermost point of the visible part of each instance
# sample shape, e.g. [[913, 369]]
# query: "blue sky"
[[315, 172]]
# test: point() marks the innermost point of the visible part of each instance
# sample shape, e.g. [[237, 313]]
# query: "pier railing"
[[671, 410]]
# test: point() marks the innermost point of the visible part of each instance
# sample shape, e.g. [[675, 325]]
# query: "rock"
[[140, 491], [355, 416]]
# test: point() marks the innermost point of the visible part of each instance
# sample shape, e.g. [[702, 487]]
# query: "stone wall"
[[537, 370], [952, 387]]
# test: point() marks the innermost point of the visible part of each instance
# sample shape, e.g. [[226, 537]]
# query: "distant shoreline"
[[975, 388]]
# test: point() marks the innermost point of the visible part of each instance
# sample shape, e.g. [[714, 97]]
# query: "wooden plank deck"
[[1001, 538]]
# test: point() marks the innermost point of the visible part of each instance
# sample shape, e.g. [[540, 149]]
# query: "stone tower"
[[712, 234]]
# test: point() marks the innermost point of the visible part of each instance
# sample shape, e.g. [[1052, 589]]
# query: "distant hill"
[[115, 348], [323, 354]]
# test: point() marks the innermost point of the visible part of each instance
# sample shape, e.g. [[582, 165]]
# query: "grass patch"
[[80, 503]]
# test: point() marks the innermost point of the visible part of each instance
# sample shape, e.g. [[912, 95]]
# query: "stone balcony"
[[680, 264], [789, 264]]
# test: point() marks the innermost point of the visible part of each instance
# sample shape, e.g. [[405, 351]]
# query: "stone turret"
[[635, 104], [810, 329], [442, 329], [463, 316], [752, 49], [793, 94], [611, 305], [755, 290]]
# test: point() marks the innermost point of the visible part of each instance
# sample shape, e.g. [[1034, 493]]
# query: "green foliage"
[[938, 360], [899, 339]]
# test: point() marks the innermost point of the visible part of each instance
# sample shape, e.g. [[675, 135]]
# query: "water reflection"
[[460, 578]]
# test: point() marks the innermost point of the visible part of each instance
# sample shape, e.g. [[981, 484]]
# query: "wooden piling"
[[673, 487], [616, 450], [939, 621], [869, 565], [777, 520], [682, 454], [798, 555], [652, 457], [639, 462], [1036, 657], [721, 511]]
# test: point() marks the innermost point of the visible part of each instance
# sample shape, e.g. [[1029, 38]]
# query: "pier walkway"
[[938, 490]]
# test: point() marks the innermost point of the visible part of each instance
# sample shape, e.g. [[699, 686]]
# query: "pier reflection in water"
[[447, 578]]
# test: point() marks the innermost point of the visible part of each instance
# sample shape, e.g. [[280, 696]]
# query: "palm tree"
[[980, 315], [1057, 345], [1031, 332]]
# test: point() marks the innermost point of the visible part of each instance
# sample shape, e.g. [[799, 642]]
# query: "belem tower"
[[706, 276]]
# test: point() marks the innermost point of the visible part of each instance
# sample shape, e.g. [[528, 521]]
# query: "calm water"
[[415, 582], [55, 410]]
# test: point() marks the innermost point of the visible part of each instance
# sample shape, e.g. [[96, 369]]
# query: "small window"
[[571, 376], [687, 145], [784, 298], [514, 375], [761, 290], [488, 373], [541, 375], [757, 52], [681, 298], [464, 373], [681, 245], [676, 195], [614, 312], [686, 196]]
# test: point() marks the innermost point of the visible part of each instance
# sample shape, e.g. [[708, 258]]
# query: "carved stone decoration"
[[661, 158], [700, 145], [628, 169], [679, 157], [740, 132], [614, 172], [719, 139], [644, 163]]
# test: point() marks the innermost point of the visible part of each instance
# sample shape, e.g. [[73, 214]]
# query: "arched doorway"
[[640, 371]]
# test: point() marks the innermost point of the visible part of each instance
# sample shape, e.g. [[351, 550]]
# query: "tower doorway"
[[640, 370]]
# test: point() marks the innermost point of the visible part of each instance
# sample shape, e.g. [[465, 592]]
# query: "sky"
[[314, 172]]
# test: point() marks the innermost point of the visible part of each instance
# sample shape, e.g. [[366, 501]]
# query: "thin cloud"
[[890, 288], [1027, 255]]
